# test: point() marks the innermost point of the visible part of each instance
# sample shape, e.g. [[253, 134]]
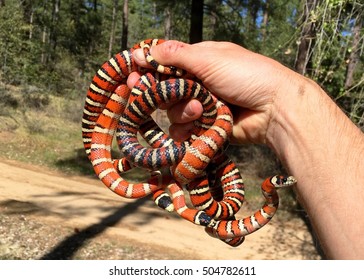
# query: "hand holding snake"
[[109, 107], [249, 87], [294, 116]]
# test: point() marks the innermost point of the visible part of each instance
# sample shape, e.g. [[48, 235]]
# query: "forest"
[[57, 45]]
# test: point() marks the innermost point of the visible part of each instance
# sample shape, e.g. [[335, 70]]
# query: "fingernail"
[[193, 108]]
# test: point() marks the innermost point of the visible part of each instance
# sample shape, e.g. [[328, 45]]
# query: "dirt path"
[[50, 198]]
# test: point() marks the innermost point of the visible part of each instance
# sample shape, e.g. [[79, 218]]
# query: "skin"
[[291, 114]]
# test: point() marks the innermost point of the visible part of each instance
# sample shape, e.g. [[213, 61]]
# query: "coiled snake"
[[199, 165]]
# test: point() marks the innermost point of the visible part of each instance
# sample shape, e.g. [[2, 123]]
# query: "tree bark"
[[53, 31], [28, 12], [307, 37], [265, 20], [167, 22], [112, 31], [43, 56], [254, 7], [196, 21], [124, 35], [354, 54], [213, 10]]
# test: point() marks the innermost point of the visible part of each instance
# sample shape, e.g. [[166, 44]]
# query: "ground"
[[48, 215]]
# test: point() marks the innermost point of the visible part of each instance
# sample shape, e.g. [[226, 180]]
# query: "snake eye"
[[282, 181]]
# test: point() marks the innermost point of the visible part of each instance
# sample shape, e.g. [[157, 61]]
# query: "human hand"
[[249, 82]]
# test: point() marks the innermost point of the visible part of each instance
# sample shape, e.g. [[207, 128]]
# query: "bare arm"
[[317, 143], [324, 150]]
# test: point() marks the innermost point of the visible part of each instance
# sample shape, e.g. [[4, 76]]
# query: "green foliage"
[[13, 49], [58, 45], [335, 21]]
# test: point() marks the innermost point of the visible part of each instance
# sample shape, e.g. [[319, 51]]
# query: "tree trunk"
[[112, 31], [53, 32], [2, 3], [253, 7], [167, 22], [124, 35], [265, 20], [307, 37], [196, 21], [43, 56], [28, 12], [31, 19], [213, 9], [354, 54]]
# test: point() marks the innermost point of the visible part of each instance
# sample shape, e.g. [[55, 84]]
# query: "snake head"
[[280, 181]]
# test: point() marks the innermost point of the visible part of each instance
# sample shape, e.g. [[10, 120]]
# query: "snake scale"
[[197, 166]]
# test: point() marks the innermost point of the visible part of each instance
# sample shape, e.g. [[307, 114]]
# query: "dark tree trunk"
[[196, 21], [28, 16], [254, 7], [124, 35], [53, 32], [265, 20], [354, 54], [307, 38], [167, 22], [112, 31]]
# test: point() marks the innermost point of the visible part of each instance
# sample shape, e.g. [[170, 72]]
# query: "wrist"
[[313, 138], [299, 114]]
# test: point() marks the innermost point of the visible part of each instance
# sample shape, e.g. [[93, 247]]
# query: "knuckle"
[[170, 49]]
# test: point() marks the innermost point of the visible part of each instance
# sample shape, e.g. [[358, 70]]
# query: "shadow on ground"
[[69, 246], [79, 163]]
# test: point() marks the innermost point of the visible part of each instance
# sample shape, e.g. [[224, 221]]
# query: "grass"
[[44, 134]]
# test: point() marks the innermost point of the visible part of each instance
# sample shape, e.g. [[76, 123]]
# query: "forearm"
[[324, 150]]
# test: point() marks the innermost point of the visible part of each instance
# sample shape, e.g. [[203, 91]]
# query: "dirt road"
[[79, 203]]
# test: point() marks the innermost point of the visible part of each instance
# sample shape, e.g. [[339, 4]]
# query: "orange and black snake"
[[112, 109]]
